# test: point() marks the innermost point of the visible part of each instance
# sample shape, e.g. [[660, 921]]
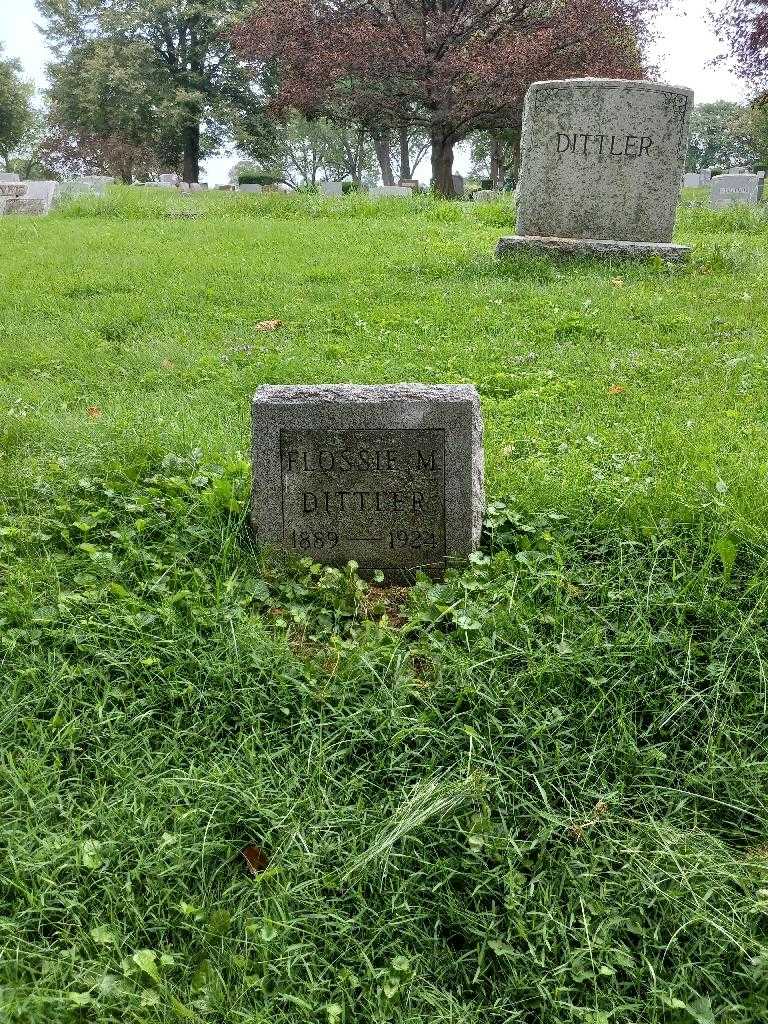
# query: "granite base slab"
[[591, 247]]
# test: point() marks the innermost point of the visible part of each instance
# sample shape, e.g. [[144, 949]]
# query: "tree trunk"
[[497, 161], [382, 143], [442, 162], [192, 152], [406, 174], [513, 172]]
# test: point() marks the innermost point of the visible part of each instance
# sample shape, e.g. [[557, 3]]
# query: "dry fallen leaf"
[[616, 389], [94, 412], [617, 282], [167, 364], [255, 858], [268, 325]]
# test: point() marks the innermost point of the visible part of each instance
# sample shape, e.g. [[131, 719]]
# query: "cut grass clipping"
[[236, 792]]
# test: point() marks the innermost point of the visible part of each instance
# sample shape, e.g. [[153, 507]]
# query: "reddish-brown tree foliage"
[[743, 26], [448, 66]]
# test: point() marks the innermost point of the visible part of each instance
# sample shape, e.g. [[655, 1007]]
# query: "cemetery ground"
[[237, 792]]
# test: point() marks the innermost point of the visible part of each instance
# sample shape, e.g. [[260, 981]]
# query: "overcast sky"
[[686, 48]]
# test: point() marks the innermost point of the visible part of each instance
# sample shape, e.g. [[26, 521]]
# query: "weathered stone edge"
[[611, 83], [356, 394], [591, 247]]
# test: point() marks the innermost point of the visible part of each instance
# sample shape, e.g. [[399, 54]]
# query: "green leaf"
[[103, 935], [201, 976], [219, 922], [146, 960], [501, 948], [149, 997], [726, 550], [91, 854], [80, 998], [701, 1010], [180, 1011]]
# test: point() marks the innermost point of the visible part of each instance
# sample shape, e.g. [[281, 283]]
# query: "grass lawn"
[[535, 791]]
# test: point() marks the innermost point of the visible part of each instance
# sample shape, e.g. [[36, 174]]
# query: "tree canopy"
[[720, 136], [16, 113], [155, 73], [451, 67], [743, 27]]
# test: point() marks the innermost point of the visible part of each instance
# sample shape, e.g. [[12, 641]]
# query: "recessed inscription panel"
[[376, 497]]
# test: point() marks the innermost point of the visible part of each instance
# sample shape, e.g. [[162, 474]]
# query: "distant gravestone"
[[401, 191], [332, 188], [458, 184], [412, 183], [28, 197], [692, 180], [40, 195], [602, 166], [390, 477], [736, 190], [486, 195], [169, 179], [706, 175], [8, 176]]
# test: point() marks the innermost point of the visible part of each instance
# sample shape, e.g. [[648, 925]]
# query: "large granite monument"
[[388, 476], [602, 167]]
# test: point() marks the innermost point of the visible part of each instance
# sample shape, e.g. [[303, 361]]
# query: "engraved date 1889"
[[314, 540]]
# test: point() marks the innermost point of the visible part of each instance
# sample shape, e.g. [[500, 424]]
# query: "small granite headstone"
[[486, 195], [692, 180], [458, 184], [332, 188], [390, 477], [706, 175], [8, 176], [412, 183], [602, 166], [736, 190]]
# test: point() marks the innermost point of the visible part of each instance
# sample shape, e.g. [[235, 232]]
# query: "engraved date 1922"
[[415, 540]]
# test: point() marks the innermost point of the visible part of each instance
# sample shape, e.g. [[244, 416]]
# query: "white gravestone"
[[692, 181], [602, 167], [391, 190], [486, 195], [736, 190], [8, 176], [706, 175], [332, 188]]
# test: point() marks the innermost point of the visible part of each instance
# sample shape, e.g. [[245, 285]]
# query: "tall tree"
[[743, 26], [719, 136], [305, 151], [16, 113], [158, 73], [756, 127], [451, 67]]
